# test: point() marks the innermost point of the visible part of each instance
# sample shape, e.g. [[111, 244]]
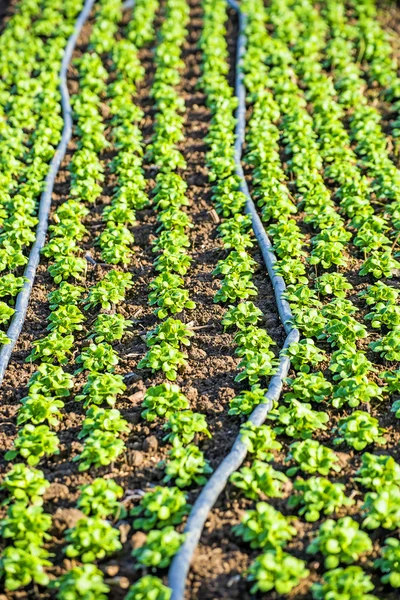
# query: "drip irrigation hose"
[[23, 297], [180, 565]]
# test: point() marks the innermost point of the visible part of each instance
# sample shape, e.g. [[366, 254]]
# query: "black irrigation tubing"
[[179, 569], [23, 297]]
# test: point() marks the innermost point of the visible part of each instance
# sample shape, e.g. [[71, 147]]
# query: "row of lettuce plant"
[[253, 342], [164, 507], [93, 537], [31, 50], [374, 50], [269, 60]]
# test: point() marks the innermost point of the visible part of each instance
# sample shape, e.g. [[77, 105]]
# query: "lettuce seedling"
[[92, 539], [265, 527], [309, 387], [260, 479], [81, 583], [242, 316], [388, 346], [103, 419], [32, 443], [332, 284], [312, 457], [22, 566], [53, 347], [25, 525], [184, 426], [101, 448], [246, 401], [172, 331], [378, 471], [340, 542], [162, 401], [102, 388], [148, 587], [100, 499], [159, 548], [51, 380], [298, 420], [24, 485], [160, 507], [259, 440], [186, 466], [359, 430], [37, 409], [350, 583], [389, 563], [97, 357], [256, 366], [163, 357], [318, 495], [109, 328], [276, 570], [382, 508], [304, 354]]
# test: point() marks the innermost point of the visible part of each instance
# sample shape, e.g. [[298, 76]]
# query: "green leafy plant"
[[109, 291], [163, 357], [276, 570], [103, 419], [388, 346], [160, 546], [24, 485], [298, 420], [350, 583], [312, 457], [382, 508], [34, 442], [160, 507], [85, 582], [260, 479], [92, 538], [25, 525], [242, 315], [246, 401], [340, 542], [333, 284], [259, 440], [38, 409], [184, 426], [148, 587], [255, 367], [109, 328], [304, 354], [97, 357], [309, 387], [358, 430], [163, 401], [51, 380], [172, 331], [265, 527], [100, 499], [101, 448], [389, 563], [101, 388], [380, 264], [186, 466], [378, 471], [54, 346], [318, 495], [22, 566]]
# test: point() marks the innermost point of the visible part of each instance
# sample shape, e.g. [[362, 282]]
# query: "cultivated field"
[[200, 376]]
